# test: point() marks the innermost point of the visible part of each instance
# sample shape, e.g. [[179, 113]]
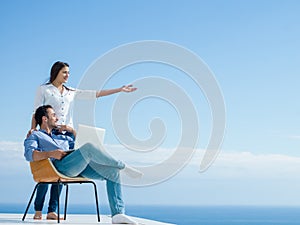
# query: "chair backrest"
[[44, 171]]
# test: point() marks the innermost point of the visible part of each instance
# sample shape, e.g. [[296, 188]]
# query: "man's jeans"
[[91, 162]]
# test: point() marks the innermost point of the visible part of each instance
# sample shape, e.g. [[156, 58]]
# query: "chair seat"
[[45, 171]]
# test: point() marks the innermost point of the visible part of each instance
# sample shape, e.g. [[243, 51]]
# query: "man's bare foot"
[[123, 219], [53, 216], [132, 172]]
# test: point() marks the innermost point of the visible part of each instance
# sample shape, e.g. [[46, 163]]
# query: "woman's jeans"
[[40, 197], [93, 163]]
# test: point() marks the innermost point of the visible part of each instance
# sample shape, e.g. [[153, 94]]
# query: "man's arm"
[[32, 153], [56, 154]]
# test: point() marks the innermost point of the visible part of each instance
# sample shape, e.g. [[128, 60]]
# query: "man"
[[87, 161]]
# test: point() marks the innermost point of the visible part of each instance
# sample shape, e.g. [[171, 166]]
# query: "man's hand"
[[65, 128], [57, 154]]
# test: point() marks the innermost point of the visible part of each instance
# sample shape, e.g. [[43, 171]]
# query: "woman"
[[61, 98]]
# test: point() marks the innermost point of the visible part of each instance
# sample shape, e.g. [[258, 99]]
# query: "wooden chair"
[[44, 172]]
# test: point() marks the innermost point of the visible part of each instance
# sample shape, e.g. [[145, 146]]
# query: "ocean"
[[193, 215]]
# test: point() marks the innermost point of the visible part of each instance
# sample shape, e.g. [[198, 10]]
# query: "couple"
[[87, 161], [61, 98]]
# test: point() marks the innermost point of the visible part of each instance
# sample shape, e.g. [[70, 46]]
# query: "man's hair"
[[40, 112]]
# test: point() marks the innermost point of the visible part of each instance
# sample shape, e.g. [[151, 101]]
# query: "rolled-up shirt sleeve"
[[30, 144]]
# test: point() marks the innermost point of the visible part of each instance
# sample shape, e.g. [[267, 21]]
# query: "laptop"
[[88, 134]]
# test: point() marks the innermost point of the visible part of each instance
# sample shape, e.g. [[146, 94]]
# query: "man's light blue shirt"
[[41, 141]]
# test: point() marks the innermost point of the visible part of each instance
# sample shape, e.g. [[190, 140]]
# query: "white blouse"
[[62, 104]]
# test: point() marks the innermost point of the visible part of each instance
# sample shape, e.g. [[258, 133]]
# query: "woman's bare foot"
[[37, 215]]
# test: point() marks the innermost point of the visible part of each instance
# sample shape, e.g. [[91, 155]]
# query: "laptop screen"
[[88, 134]]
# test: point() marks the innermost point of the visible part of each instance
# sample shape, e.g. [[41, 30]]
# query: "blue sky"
[[252, 47]]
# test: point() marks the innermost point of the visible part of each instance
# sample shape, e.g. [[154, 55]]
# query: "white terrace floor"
[[75, 219]]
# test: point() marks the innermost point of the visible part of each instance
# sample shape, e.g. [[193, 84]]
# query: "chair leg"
[[96, 197], [28, 205], [58, 183], [58, 192], [66, 201]]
